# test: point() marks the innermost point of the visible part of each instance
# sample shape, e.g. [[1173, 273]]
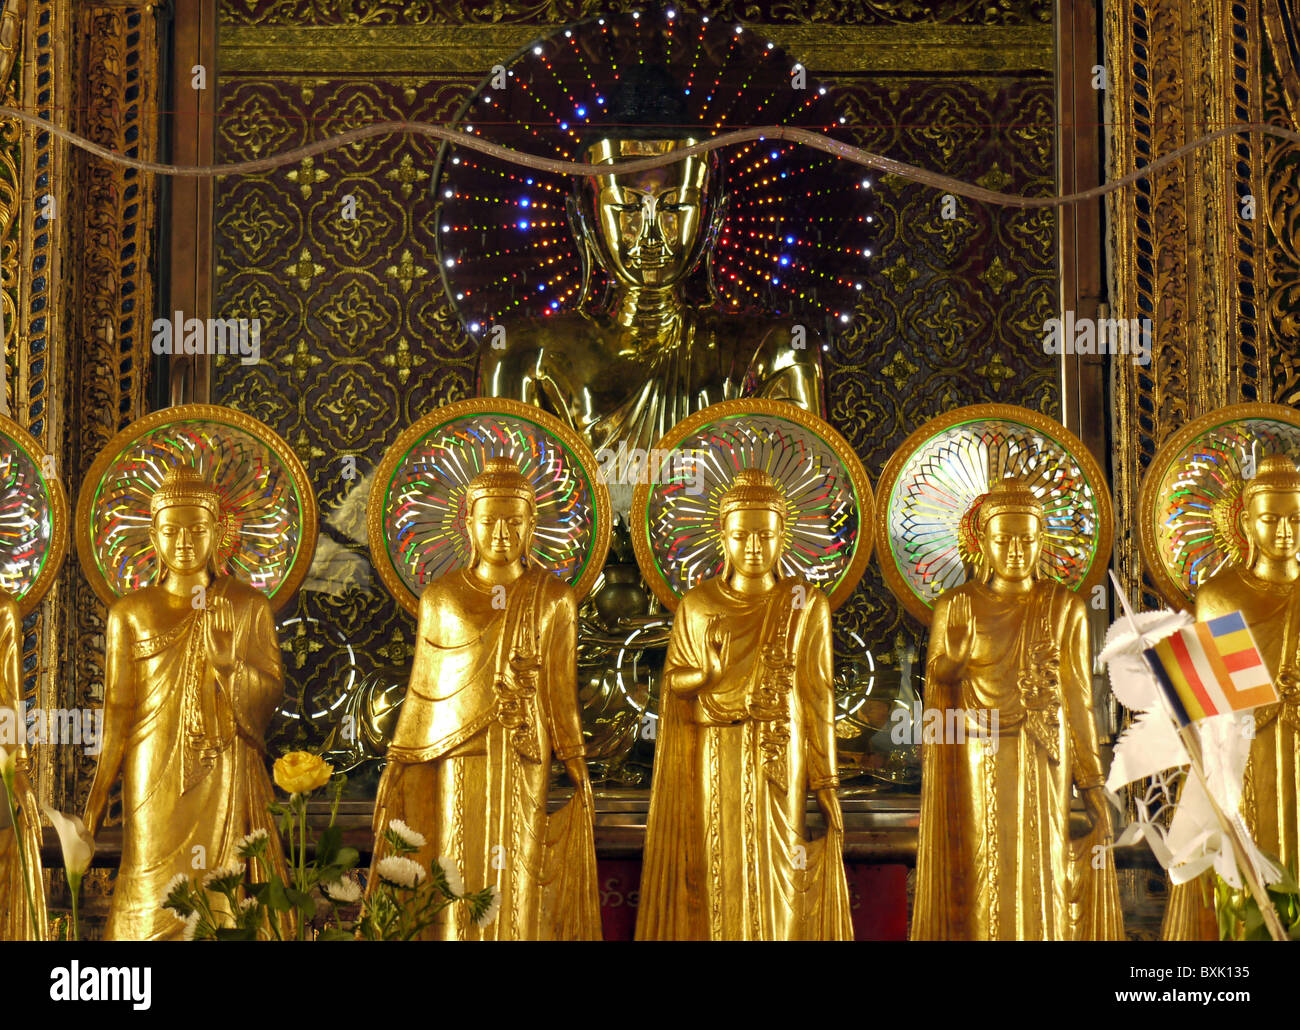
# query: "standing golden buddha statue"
[[626, 372], [192, 677], [15, 916], [492, 699], [1262, 581], [1009, 657], [746, 729]]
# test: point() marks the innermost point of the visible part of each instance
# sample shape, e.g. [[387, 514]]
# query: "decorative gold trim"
[[456, 49], [1148, 493], [202, 413], [379, 556], [640, 528], [1040, 423], [29, 601]]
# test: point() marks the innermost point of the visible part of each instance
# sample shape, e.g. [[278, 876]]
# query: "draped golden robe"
[[1269, 790], [994, 856], [15, 917], [726, 856], [492, 698], [194, 779]]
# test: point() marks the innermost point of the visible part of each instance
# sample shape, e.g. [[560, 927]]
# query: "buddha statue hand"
[[829, 803], [715, 644], [577, 770], [959, 635], [219, 637], [1094, 799]]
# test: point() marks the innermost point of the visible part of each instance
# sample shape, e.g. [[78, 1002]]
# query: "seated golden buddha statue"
[[1010, 670], [746, 730], [192, 676], [16, 914], [492, 699], [1262, 581], [644, 357]]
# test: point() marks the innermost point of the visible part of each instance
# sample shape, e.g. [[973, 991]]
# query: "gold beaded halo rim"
[[1149, 492], [59, 534], [1026, 417], [758, 406], [417, 430], [220, 415]]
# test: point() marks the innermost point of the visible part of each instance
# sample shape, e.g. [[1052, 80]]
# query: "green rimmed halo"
[[937, 474], [33, 517], [1191, 485], [675, 510], [268, 520], [416, 514]]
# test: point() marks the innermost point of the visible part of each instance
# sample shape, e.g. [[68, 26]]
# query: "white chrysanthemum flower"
[[179, 880], [233, 873], [400, 870], [251, 842], [454, 882], [191, 922], [345, 890], [246, 903], [411, 837], [494, 906]]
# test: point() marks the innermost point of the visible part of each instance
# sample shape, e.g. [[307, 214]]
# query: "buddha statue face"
[[649, 228], [1011, 542], [751, 538], [1270, 521], [501, 529], [184, 537]]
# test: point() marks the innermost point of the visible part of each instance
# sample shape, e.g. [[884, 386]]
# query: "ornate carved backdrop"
[[358, 339]]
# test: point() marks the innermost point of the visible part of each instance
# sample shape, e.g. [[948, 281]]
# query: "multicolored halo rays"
[[676, 528], [419, 525], [266, 530], [30, 507], [1199, 467], [938, 473]]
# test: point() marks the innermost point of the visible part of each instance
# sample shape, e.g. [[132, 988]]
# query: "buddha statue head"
[[186, 520], [647, 230], [1269, 515], [1009, 527], [501, 511], [752, 518]]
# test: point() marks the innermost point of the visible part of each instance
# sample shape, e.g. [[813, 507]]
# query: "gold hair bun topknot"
[[753, 488], [185, 485], [1277, 472], [1011, 495], [500, 478]]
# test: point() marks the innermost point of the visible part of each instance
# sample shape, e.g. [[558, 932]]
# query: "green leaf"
[[277, 898], [303, 902], [247, 933], [347, 858], [327, 848], [334, 933]]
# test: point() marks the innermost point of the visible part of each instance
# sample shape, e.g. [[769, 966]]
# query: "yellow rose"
[[301, 772]]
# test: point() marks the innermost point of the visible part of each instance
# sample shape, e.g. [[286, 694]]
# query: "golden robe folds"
[[725, 856], [193, 777], [995, 859], [15, 917], [492, 699]]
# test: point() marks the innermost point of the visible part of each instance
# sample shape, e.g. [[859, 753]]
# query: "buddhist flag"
[[1211, 668]]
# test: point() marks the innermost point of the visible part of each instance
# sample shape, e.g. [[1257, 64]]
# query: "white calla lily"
[[77, 844]]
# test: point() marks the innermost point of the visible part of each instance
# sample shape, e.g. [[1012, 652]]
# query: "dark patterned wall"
[[358, 340]]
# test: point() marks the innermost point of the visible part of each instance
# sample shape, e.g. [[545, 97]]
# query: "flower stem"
[[22, 861], [74, 885]]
